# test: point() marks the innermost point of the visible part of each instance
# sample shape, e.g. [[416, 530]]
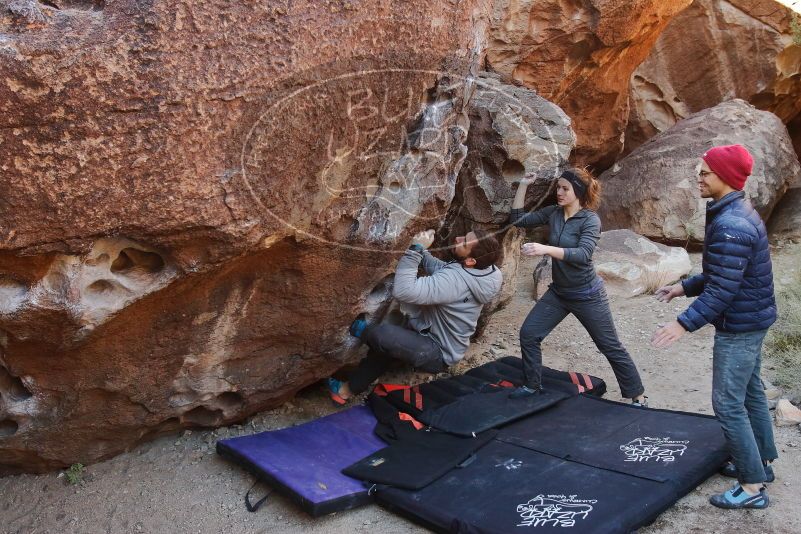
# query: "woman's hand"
[[534, 249], [520, 195]]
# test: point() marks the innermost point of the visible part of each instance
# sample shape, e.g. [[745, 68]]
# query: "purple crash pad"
[[304, 462]]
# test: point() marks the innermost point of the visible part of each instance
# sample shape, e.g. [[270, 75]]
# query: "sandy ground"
[[178, 483]]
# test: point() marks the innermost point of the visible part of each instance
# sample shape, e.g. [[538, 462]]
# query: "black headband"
[[579, 187]]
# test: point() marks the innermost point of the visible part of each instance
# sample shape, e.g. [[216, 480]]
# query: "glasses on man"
[[703, 174]]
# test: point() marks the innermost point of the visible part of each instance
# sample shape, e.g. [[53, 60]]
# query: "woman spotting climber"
[[574, 233]]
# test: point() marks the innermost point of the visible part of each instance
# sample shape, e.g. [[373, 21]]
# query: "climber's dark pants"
[[388, 342]]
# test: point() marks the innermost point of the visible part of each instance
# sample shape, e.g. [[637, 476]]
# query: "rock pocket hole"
[[230, 400], [100, 286], [202, 416], [394, 186], [11, 387], [8, 428], [429, 96], [133, 258], [513, 170], [98, 260]]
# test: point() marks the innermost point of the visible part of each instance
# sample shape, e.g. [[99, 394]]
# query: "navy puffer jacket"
[[736, 287]]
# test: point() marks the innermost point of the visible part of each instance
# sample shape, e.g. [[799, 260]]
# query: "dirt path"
[[178, 483]]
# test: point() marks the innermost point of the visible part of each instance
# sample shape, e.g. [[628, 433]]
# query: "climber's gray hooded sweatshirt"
[[446, 304]]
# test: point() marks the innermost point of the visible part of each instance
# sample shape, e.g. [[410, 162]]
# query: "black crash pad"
[[662, 445], [586, 465]]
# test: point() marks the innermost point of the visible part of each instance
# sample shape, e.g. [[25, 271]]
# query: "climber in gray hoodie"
[[442, 309]]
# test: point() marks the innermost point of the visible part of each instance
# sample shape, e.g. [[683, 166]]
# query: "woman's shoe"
[[640, 403], [524, 392]]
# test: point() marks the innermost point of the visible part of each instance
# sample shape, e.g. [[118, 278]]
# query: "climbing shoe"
[[730, 470], [737, 498], [358, 326], [641, 403], [334, 386]]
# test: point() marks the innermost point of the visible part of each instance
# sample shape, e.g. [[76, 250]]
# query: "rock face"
[[513, 133], [199, 197], [653, 191], [712, 52], [787, 414], [785, 222], [580, 55], [631, 264]]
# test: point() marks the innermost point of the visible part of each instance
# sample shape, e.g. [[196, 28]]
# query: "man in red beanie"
[[735, 295]]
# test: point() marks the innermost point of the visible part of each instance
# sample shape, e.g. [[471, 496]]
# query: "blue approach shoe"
[[737, 498], [730, 470], [358, 326], [523, 392]]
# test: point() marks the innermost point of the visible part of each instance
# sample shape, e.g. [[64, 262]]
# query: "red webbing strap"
[[506, 384], [418, 398], [382, 390], [587, 380], [574, 378], [403, 416]]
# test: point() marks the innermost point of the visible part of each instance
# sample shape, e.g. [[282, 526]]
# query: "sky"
[[793, 4]]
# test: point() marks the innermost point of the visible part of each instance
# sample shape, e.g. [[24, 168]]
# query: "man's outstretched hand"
[[667, 335], [425, 239], [668, 293]]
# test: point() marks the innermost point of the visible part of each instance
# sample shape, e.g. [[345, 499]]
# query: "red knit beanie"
[[732, 163]]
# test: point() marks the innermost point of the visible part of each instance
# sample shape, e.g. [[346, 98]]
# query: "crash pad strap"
[[254, 507]]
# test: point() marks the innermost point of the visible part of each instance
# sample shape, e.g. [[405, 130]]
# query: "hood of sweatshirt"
[[485, 284]]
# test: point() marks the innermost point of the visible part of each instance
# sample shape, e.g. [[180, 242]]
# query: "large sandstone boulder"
[[199, 197], [711, 52], [513, 133], [631, 264], [653, 191], [581, 56]]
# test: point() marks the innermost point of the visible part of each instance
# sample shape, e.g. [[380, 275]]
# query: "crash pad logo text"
[[554, 510], [654, 449]]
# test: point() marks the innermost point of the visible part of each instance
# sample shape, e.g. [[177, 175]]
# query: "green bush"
[[795, 28], [75, 473]]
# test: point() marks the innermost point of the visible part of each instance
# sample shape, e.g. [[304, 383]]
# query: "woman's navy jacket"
[[736, 286]]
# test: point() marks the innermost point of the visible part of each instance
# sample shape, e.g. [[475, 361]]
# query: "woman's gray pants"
[[594, 314]]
